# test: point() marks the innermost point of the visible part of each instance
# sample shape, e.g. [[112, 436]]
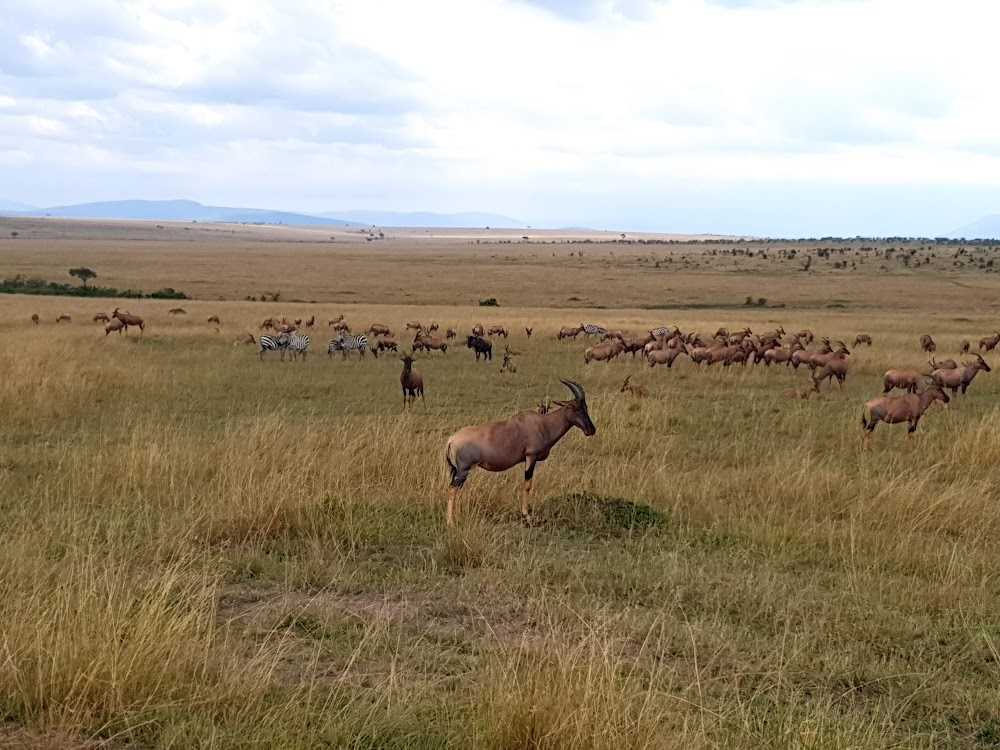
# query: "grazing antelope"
[[214, 319], [114, 325], [525, 438], [497, 331], [960, 377], [862, 338], [64, 318], [450, 334], [177, 311], [423, 341], [35, 318], [897, 409], [414, 325], [129, 320], [927, 344], [478, 330], [603, 352], [246, 339], [379, 329], [412, 382], [341, 326], [636, 390], [569, 332], [906, 378], [102, 318], [964, 347], [989, 343], [385, 343], [434, 327], [948, 364]]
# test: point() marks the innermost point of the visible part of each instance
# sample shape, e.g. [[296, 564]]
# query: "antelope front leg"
[[529, 473]]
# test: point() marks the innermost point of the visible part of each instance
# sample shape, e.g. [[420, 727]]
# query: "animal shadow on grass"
[[590, 514]]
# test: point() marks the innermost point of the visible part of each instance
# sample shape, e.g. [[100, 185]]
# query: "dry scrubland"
[[203, 550]]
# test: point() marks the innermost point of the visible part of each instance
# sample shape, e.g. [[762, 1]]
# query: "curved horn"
[[576, 389]]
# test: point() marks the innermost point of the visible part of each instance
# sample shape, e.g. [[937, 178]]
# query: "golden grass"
[[203, 549]]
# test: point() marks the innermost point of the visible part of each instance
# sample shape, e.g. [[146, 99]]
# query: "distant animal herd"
[[528, 437]]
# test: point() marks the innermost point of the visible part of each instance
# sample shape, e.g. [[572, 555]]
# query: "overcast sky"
[[780, 117]]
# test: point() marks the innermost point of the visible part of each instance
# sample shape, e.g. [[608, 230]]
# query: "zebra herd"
[[297, 345]]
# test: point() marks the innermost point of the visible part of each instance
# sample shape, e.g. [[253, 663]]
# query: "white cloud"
[[541, 108]]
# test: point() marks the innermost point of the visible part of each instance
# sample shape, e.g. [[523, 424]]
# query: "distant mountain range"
[[986, 228], [428, 219], [184, 210]]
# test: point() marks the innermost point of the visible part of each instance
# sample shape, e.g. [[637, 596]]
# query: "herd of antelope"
[[528, 437]]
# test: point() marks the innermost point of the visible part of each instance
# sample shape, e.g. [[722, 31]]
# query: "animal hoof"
[[528, 519]]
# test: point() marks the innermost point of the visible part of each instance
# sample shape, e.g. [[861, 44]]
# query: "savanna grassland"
[[205, 550]]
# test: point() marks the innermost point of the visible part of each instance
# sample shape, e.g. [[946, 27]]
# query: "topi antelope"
[[989, 343], [64, 318], [964, 347], [862, 338], [897, 409], [960, 377], [129, 320], [906, 378], [525, 438], [528, 330], [636, 390], [412, 383], [35, 318], [451, 333], [102, 318], [927, 344], [114, 325]]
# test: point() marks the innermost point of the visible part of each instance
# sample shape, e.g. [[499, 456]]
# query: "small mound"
[[588, 513]]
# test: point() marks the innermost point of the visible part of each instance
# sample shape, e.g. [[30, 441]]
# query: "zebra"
[[592, 330], [274, 343], [349, 343], [657, 332], [298, 345]]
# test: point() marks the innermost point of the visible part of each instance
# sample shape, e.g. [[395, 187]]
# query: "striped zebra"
[[298, 345], [657, 332], [592, 330], [275, 344], [349, 343]]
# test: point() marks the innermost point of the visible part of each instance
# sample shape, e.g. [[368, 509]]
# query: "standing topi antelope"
[[960, 377], [989, 343], [412, 382], [528, 330], [114, 325], [129, 320], [35, 318], [964, 347], [897, 409], [525, 438]]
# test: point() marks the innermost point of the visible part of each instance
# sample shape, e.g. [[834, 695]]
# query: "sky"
[[797, 118]]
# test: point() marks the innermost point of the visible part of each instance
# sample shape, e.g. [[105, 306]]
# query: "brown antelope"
[[528, 331], [897, 409], [478, 330], [906, 378], [636, 390], [927, 344], [989, 343], [451, 333], [497, 331], [412, 383], [525, 438], [603, 352], [102, 318], [835, 368], [385, 343], [664, 357], [415, 326], [35, 318], [960, 377], [334, 321], [508, 365], [214, 319], [177, 311], [311, 323], [805, 393], [569, 332], [434, 327], [246, 339], [64, 318], [948, 364], [964, 347], [379, 329], [422, 341], [862, 338], [129, 320], [114, 325], [341, 326]]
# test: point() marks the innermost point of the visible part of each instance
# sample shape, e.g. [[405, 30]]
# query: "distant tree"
[[84, 274], [14, 234]]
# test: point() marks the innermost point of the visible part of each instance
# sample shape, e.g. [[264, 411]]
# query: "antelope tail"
[[452, 466]]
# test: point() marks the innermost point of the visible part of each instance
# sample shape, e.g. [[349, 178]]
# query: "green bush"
[[20, 285]]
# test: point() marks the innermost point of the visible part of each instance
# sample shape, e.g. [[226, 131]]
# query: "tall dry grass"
[[207, 550]]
